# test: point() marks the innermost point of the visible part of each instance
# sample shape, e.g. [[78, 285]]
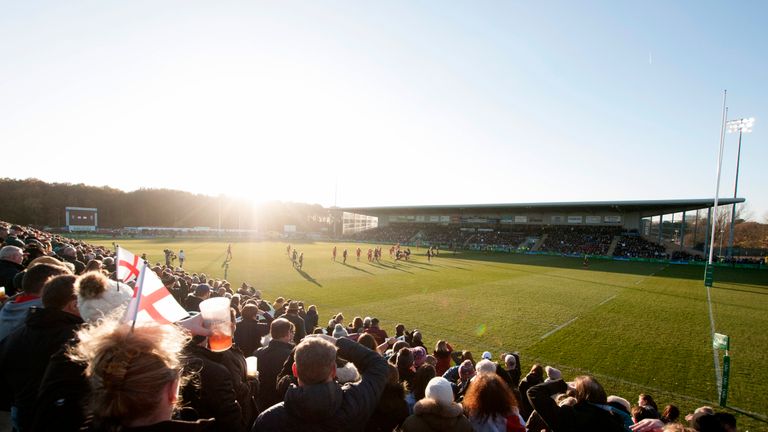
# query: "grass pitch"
[[637, 327]]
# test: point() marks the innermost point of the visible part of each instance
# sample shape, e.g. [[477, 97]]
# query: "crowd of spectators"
[[68, 362], [635, 246], [579, 240]]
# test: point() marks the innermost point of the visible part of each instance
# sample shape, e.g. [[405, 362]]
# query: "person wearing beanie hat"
[[485, 366], [339, 331], [419, 356], [552, 373], [437, 411], [99, 297]]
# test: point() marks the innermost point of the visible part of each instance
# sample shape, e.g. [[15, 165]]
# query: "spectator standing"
[[182, 257], [271, 359], [202, 292], [292, 315], [589, 413], [14, 312], [250, 330], [25, 353], [319, 403], [11, 258], [437, 411]]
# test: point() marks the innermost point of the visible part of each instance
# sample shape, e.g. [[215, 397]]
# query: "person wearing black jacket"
[[292, 315], [249, 331], [211, 392], [271, 359], [320, 403], [535, 376], [591, 411], [11, 258], [25, 353]]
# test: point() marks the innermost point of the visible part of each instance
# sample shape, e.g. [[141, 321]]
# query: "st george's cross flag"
[[152, 301], [128, 265]]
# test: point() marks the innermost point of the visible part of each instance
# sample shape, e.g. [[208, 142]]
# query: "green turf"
[[638, 327]]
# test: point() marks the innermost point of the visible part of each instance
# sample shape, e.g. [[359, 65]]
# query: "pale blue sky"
[[404, 102]]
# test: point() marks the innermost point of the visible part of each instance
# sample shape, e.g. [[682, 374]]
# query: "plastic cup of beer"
[[2, 293], [216, 317], [251, 366]]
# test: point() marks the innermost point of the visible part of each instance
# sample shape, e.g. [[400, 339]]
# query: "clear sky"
[[397, 102]]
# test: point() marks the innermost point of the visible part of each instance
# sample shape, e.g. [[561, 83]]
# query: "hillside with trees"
[[34, 202]]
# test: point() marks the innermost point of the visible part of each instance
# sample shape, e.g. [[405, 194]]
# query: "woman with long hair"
[[491, 406], [134, 375], [591, 411]]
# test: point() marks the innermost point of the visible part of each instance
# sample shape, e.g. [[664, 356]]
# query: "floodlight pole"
[[708, 272], [735, 190]]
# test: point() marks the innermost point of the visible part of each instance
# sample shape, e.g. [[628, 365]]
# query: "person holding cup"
[[222, 389]]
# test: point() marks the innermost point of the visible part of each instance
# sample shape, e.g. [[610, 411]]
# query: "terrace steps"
[[614, 242], [539, 242]]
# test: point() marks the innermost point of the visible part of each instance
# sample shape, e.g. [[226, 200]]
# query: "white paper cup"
[[251, 366]]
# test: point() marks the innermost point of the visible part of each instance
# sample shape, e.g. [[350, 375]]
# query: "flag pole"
[[137, 294]]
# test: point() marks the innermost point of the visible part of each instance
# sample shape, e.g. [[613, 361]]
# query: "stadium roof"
[[645, 208]]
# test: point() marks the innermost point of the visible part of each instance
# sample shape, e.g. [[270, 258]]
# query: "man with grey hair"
[[321, 403], [11, 258]]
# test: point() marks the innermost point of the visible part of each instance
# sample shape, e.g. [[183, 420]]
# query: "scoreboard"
[[82, 219]]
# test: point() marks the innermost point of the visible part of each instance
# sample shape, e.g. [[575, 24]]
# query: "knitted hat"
[[485, 366], [552, 373], [510, 361], [467, 369], [347, 374], [439, 389], [98, 296], [419, 356], [339, 331]]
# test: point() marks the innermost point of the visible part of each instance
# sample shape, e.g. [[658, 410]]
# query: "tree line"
[[35, 202]]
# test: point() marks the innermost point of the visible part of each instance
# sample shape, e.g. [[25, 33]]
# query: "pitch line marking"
[[608, 299], [551, 332]]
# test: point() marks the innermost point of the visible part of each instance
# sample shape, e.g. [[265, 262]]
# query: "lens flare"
[[480, 330]]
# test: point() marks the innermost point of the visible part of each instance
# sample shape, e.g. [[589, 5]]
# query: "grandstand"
[[656, 229]]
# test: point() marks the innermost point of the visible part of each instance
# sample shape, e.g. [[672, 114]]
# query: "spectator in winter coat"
[[11, 258], [310, 321], [292, 315], [590, 412], [437, 411], [534, 377], [377, 332], [319, 403], [392, 409], [271, 359], [14, 311], [442, 353], [249, 331], [25, 353]]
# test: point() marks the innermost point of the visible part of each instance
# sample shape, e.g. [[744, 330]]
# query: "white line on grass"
[[559, 327], [718, 377], [608, 299]]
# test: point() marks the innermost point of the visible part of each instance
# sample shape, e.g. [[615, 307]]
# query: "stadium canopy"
[[644, 208]]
